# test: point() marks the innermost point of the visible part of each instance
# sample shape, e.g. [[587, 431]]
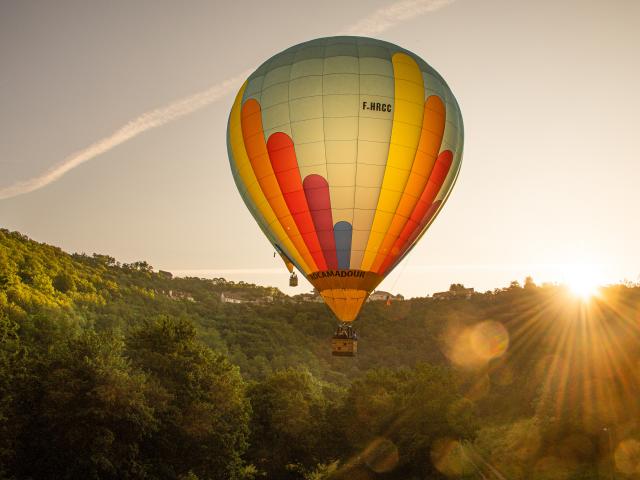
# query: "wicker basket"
[[344, 347]]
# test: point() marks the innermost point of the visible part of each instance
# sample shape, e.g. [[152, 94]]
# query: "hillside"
[[142, 375]]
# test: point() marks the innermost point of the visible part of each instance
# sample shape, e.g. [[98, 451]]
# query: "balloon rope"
[[404, 265]]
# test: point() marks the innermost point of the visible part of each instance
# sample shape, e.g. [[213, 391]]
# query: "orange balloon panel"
[[344, 150]]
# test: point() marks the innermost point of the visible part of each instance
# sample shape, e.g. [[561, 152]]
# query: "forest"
[[118, 371]]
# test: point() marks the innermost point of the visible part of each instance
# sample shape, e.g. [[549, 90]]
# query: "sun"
[[584, 288], [583, 282]]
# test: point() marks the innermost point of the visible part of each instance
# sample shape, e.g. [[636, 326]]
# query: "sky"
[[113, 132]]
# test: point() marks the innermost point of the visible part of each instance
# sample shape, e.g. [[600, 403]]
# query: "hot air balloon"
[[344, 150]]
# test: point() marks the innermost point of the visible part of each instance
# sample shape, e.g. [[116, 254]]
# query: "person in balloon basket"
[[347, 332]]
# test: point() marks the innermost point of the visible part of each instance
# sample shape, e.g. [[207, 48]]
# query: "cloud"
[[390, 16], [379, 21]]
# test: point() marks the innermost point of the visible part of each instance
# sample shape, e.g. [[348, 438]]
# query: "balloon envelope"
[[344, 150]]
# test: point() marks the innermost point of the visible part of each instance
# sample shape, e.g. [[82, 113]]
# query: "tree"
[[529, 282], [12, 373], [203, 426], [288, 428], [405, 412], [511, 449], [64, 282], [87, 412]]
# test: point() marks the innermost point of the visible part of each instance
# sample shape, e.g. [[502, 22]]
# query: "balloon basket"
[[344, 342], [344, 348]]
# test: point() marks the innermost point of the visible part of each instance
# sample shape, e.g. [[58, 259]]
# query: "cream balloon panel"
[[317, 100], [320, 108]]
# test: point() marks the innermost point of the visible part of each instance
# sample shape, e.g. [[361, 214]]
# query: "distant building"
[[241, 297], [309, 297], [165, 274], [442, 295], [313, 296], [232, 298], [382, 296], [178, 295], [455, 291], [264, 299]]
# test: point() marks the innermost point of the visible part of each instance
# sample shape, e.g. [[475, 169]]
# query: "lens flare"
[[489, 339], [381, 455], [473, 346], [627, 456], [450, 458]]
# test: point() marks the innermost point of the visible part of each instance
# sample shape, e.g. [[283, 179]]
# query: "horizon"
[[586, 283], [582, 285]]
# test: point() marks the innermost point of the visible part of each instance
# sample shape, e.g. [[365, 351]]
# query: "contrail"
[[390, 16], [379, 21], [133, 128]]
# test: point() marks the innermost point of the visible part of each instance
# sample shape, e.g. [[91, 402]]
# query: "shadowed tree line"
[[111, 370]]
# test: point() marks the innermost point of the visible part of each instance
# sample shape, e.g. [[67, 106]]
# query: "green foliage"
[[410, 409], [205, 412], [291, 423], [86, 399], [116, 371], [64, 282], [12, 373], [512, 448]]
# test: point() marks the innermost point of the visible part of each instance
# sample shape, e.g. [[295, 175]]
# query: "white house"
[[382, 296], [230, 298], [456, 291]]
